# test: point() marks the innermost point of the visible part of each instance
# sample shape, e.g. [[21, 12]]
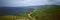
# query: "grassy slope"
[[42, 14], [47, 13], [21, 16], [7, 17]]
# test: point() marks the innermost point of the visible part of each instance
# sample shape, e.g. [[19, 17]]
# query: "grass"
[[7, 17], [42, 14]]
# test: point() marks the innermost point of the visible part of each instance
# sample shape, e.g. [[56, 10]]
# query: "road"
[[32, 13]]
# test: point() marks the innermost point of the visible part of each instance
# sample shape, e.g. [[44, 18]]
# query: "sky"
[[27, 2]]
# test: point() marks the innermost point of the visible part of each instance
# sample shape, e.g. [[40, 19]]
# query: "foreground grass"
[[14, 18], [7, 17]]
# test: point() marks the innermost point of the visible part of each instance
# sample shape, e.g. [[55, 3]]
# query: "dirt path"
[[28, 16], [32, 13]]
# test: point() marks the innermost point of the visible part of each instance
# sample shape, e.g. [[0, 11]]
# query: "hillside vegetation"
[[44, 13]]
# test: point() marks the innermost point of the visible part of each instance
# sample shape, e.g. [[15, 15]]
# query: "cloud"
[[27, 2], [34, 2]]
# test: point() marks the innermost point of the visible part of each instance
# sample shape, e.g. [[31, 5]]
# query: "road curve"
[[32, 13]]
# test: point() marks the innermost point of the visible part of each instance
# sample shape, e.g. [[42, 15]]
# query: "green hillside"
[[47, 13], [40, 14]]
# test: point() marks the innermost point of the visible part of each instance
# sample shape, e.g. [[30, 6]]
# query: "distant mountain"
[[13, 10], [43, 6]]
